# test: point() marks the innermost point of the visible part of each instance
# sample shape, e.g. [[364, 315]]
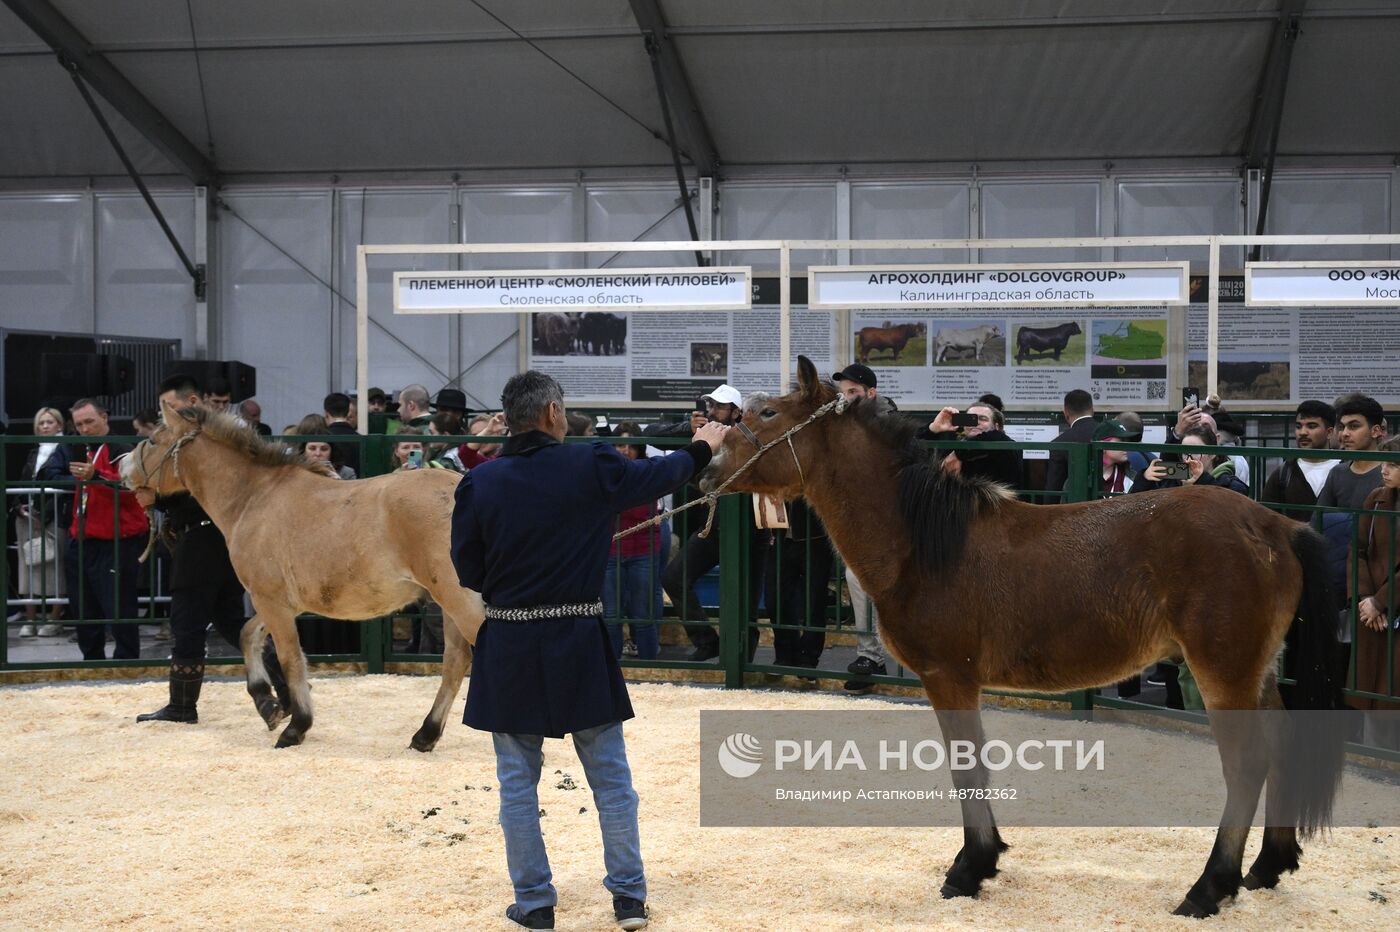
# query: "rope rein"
[[838, 404], [172, 455]]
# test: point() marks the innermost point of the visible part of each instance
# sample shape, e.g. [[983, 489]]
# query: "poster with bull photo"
[[1031, 361], [670, 358]]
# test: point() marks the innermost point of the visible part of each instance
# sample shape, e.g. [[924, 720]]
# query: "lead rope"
[[172, 454], [838, 404]]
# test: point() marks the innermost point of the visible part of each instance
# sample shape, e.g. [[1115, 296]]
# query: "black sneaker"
[[542, 918], [864, 666], [630, 913]]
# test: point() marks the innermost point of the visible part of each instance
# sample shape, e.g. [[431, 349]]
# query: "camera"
[[1178, 471], [964, 420]]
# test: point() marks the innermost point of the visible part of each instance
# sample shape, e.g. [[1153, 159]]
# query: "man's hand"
[[697, 421], [1188, 418], [496, 426], [84, 471], [943, 421], [145, 497], [712, 432]]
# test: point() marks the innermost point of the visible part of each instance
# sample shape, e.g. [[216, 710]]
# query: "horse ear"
[[809, 384], [175, 418]]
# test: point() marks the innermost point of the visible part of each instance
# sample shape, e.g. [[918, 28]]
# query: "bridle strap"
[[837, 404]]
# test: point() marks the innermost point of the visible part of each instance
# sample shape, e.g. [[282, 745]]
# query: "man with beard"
[[1300, 481]]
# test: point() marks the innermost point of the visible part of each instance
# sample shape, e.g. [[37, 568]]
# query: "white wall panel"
[[273, 314], [1033, 209], [490, 342], [1181, 208], [1328, 204], [143, 288], [906, 210], [407, 348], [790, 211], [45, 263], [652, 214]]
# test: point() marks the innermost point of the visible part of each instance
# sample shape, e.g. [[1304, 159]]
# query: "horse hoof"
[[422, 745], [289, 739], [1194, 911], [949, 892], [273, 713], [1253, 881]]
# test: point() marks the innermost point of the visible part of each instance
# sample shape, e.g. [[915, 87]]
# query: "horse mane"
[[938, 508], [224, 428]]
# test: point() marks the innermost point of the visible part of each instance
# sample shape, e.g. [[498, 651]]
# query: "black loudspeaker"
[[242, 379], [70, 376]]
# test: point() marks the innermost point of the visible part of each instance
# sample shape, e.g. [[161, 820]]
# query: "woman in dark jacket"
[[1206, 468], [39, 522]]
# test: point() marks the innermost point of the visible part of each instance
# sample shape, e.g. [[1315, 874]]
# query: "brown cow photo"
[[893, 343]]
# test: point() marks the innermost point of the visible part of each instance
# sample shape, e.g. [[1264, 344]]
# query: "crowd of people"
[[82, 547]]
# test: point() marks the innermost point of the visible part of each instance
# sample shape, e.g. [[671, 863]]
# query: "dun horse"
[[975, 589], [303, 541]]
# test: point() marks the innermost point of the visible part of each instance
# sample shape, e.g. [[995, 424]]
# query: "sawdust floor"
[[107, 823]]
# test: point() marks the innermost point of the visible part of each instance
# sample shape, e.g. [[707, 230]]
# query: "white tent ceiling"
[[361, 86]]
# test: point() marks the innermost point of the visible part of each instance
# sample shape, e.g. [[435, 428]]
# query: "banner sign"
[[569, 290], [1322, 284], [1049, 284]]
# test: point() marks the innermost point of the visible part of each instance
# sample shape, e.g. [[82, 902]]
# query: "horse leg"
[[960, 719], [283, 628], [456, 654], [1232, 700], [250, 641], [1279, 854]]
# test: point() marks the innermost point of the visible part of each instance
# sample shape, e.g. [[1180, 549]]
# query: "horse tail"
[[1315, 756]]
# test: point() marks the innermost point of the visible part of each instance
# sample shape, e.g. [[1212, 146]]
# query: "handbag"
[[38, 550]]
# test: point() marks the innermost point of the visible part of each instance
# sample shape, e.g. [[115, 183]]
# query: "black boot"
[[186, 678]]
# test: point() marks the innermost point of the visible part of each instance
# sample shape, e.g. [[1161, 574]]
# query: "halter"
[[837, 404], [171, 456]]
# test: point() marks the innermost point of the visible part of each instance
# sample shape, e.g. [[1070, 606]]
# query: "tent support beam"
[[79, 57], [1261, 140]]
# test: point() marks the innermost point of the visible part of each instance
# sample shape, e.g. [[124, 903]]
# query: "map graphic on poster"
[[677, 356]]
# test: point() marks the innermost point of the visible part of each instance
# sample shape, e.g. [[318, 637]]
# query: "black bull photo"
[[1044, 340]]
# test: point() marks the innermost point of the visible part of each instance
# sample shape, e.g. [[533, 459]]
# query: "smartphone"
[[1190, 396], [1178, 471], [964, 420], [415, 459], [600, 421], [701, 405]]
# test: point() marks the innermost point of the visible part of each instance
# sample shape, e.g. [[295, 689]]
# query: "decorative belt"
[[546, 612]]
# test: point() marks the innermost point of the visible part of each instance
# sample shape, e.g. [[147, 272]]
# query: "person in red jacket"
[[106, 539]]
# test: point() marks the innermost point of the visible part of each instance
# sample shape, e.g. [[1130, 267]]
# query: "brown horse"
[[303, 541], [975, 589]]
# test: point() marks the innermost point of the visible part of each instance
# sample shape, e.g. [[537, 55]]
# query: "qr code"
[[1156, 390]]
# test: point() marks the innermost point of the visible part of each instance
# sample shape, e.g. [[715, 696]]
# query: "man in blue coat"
[[531, 531]]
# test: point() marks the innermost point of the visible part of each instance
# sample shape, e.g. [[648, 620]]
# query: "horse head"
[[778, 471], [154, 464]]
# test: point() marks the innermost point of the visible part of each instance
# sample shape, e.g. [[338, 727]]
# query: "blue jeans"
[[603, 754], [634, 585]]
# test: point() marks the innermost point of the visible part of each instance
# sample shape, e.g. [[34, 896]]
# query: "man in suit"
[[531, 531], [1079, 415], [204, 589], [340, 419]]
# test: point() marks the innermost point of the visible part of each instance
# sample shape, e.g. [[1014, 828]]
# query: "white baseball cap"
[[725, 395]]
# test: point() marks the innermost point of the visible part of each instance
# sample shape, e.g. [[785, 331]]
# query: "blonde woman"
[[37, 523]]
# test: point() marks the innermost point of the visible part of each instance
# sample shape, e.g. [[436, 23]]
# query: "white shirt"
[[1315, 472]]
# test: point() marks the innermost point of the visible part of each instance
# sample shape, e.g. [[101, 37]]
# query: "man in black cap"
[[858, 382], [340, 419]]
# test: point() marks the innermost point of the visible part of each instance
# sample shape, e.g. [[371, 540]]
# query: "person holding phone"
[[1199, 468]]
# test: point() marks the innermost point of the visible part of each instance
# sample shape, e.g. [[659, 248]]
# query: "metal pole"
[[1213, 319], [362, 335]]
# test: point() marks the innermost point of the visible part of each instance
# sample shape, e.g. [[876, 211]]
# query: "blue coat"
[[533, 528]]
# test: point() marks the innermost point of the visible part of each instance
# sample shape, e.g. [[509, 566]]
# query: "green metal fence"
[[733, 593]]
